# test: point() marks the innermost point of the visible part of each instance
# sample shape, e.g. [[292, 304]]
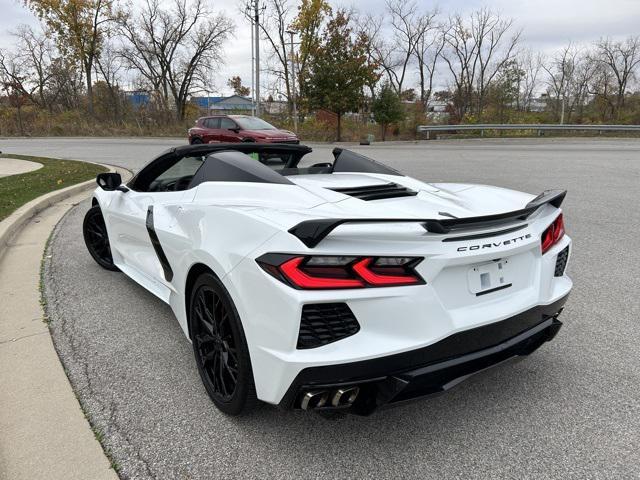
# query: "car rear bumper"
[[426, 371]]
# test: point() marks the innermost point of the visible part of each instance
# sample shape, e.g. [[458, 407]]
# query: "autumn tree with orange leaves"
[[79, 28]]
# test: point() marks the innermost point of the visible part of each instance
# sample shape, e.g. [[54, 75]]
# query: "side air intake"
[[377, 192], [324, 323]]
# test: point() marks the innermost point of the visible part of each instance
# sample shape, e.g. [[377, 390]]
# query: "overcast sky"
[[547, 24]]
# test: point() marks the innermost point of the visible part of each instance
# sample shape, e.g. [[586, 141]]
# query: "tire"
[[220, 347], [96, 238], [196, 141]]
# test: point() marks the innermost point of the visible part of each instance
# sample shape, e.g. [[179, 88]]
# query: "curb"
[[11, 225]]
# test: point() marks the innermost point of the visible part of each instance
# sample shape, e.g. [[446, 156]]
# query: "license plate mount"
[[489, 277]]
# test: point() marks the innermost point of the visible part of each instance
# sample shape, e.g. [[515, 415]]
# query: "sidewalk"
[[43, 432], [13, 166]]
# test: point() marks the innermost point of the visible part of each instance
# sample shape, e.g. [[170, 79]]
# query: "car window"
[[177, 177], [254, 123], [212, 123], [227, 124]]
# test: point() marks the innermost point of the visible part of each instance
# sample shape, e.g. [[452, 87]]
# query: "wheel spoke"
[[208, 357], [221, 373], [206, 317], [94, 231], [232, 354], [215, 342]]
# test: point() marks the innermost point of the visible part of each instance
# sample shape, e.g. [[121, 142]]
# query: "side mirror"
[[109, 181], [235, 129]]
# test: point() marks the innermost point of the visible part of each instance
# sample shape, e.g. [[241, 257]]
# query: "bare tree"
[[603, 87], [530, 63], [427, 49], [495, 48], [622, 59], [368, 27], [29, 66], [174, 48], [12, 79], [108, 67], [560, 71], [583, 74], [460, 56], [569, 72], [395, 56], [476, 51], [37, 54]]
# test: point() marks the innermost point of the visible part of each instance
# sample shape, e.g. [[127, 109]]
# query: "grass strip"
[[16, 190]]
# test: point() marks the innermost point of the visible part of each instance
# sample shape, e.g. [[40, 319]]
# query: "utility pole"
[[253, 72], [256, 13], [293, 84]]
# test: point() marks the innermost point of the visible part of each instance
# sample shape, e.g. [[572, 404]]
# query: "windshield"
[[253, 123]]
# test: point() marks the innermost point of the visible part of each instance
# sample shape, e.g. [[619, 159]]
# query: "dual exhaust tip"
[[340, 397]]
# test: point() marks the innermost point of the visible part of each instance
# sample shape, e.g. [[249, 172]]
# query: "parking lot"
[[571, 410]]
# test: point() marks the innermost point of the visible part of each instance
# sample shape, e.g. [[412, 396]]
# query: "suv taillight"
[[317, 272], [552, 234]]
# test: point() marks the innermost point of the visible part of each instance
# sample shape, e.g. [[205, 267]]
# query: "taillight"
[[331, 272], [552, 234], [316, 277], [383, 276]]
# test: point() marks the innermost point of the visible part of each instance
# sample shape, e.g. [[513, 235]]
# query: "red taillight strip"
[[553, 234], [558, 228], [301, 279], [361, 267], [314, 272]]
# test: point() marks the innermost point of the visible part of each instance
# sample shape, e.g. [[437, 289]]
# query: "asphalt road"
[[571, 410]]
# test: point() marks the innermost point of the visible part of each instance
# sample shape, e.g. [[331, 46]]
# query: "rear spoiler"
[[312, 232]]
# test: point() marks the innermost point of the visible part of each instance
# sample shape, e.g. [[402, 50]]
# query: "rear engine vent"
[[377, 192], [561, 262], [324, 323]]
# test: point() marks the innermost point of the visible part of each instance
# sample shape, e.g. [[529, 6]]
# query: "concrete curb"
[[45, 433], [11, 225]]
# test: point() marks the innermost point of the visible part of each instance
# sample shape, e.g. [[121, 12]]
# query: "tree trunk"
[[339, 126], [20, 126], [421, 72], [89, 91], [116, 105], [180, 108], [384, 131], [619, 103]]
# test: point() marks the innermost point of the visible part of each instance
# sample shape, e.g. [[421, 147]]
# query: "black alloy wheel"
[[196, 141], [96, 238], [220, 347]]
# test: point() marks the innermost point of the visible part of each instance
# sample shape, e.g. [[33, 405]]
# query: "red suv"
[[238, 128]]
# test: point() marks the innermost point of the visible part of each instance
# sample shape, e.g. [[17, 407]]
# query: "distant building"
[[205, 102], [437, 106], [138, 98], [539, 104], [234, 102], [438, 111]]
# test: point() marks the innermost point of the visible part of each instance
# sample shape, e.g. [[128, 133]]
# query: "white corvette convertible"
[[340, 286]]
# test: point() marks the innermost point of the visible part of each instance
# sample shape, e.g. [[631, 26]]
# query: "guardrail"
[[538, 127]]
